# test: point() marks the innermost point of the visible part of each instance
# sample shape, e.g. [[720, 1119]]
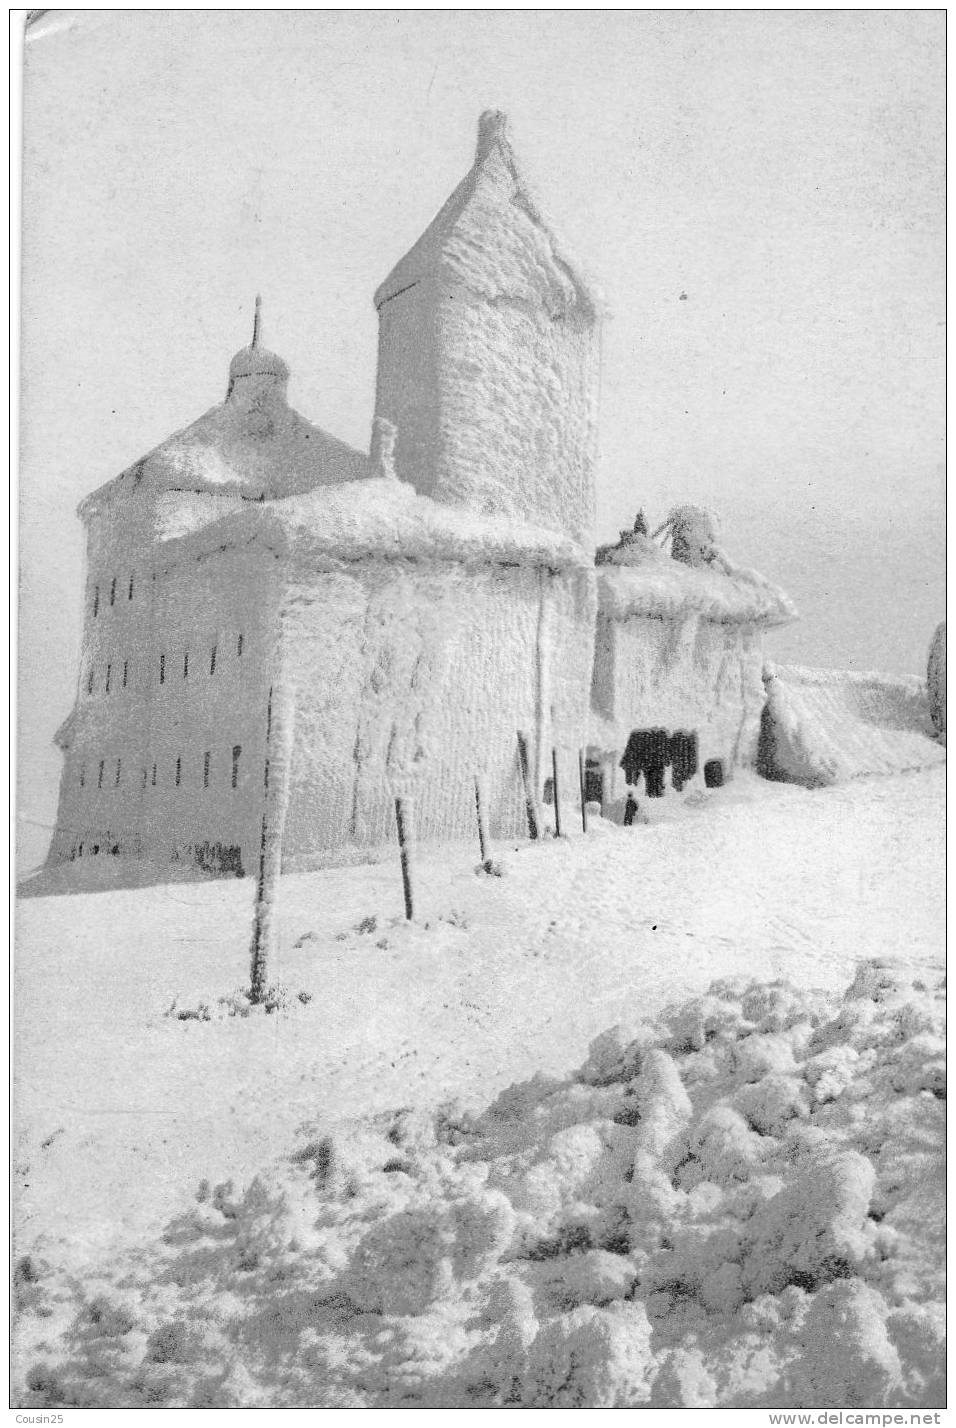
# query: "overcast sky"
[[758, 194]]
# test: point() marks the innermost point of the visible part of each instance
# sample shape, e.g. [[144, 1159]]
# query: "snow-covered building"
[[282, 633]]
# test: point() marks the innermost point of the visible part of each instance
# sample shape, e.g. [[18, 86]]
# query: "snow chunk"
[[591, 1358], [815, 1229]]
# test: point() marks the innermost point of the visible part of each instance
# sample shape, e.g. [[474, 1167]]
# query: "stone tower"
[[488, 355]]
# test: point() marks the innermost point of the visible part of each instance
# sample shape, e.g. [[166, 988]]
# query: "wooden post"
[[583, 783], [526, 780], [265, 928], [482, 828], [403, 843], [557, 796]]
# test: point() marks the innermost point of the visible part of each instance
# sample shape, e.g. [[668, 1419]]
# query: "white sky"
[[782, 169]]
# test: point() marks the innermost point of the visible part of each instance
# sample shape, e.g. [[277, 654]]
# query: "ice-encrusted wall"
[[413, 678], [693, 674], [488, 355], [164, 747]]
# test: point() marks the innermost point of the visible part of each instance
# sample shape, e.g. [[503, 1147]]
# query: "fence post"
[[582, 782], [482, 828], [404, 839], [276, 774], [557, 796], [526, 780]]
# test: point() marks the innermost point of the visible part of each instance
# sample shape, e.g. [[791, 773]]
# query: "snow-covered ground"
[[123, 1110]]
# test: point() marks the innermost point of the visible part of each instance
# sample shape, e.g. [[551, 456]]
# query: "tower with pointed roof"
[[488, 354]]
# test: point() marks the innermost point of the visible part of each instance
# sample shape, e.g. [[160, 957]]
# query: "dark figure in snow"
[[630, 809], [640, 524]]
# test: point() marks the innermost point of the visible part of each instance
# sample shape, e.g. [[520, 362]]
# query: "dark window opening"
[[145, 777], [239, 645], [205, 770], [237, 750], [119, 765], [82, 775], [109, 671], [647, 753], [154, 775], [96, 599], [79, 851], [162, 669], [130, 595], [714, 773], [593, 782], [100, 780], [212, 661], [89, 683], [179, 769], [113, 591], [683, 758], [125, 671], [186, 665], [95, 849]]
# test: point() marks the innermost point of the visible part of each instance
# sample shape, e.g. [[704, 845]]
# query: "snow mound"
[[736, 1205], [823, 726]]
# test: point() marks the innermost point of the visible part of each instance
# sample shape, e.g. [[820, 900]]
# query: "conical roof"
[[492, 236]]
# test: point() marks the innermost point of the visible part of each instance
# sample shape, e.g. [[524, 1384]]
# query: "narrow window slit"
[[96, 599], [113, 591], [239, 645], [100, 780], [89, 683], [130, 595], [162, 669], [212, 661], [186, 665], [125, 671], [179, 769], [205, 770], [236, 751], [109, 671], [119, 765], [154, 775]]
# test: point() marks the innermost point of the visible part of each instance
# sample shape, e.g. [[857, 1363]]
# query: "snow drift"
[[737, 1203], [823, 726]]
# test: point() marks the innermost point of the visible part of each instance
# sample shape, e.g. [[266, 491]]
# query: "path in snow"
[[121, 1110]]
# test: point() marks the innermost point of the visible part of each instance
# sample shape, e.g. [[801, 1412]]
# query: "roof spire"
[[492, 129], [257, 322]]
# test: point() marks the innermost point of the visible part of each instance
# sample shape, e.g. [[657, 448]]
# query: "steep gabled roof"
[[491, 236]]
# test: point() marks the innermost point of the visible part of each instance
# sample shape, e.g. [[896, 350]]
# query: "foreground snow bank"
[[738, 1202], [824, 726]]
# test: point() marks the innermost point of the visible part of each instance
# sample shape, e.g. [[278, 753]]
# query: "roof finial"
[[257, 321], [492, 128]]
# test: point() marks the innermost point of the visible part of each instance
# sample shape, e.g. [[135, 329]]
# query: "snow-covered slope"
[[138, 1284], [822, 726]]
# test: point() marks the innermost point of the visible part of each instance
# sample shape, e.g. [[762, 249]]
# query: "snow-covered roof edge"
[[418, 260], [667, 589], [378, 517]]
